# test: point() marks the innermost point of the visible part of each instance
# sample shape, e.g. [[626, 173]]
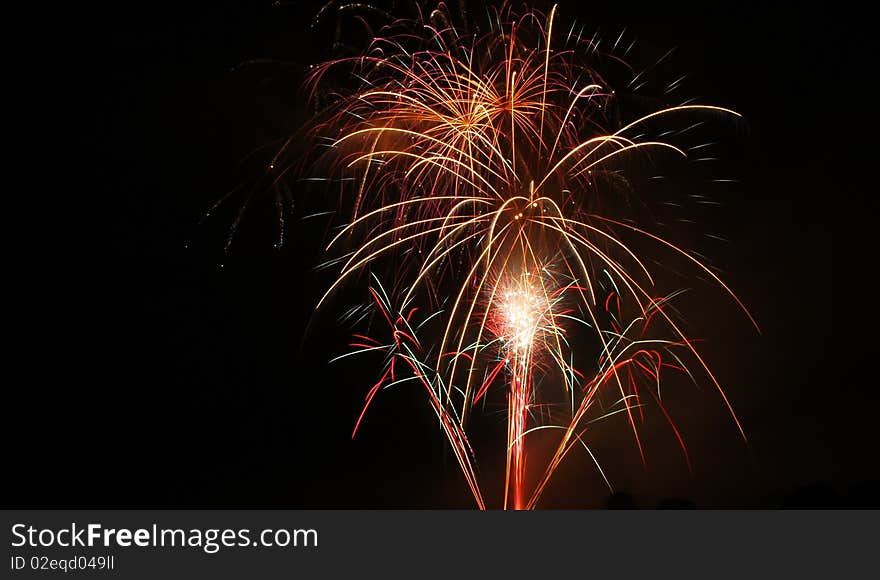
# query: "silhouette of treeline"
[[811, 496]]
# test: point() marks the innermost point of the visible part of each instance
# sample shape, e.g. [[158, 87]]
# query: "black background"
[[152, 376]]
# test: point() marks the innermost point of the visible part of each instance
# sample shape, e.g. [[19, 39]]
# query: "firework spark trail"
[[481, 164], [524, 320]]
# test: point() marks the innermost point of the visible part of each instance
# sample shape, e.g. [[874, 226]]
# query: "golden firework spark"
[[479, 166]]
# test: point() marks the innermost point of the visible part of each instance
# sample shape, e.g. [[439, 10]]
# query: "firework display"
[[478, 170]]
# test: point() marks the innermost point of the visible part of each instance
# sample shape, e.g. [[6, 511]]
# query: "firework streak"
[[477, 166]]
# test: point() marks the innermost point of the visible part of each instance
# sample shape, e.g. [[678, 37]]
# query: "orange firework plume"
[[479, 167]]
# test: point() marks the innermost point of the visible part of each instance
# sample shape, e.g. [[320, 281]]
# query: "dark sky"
[[157, 378]]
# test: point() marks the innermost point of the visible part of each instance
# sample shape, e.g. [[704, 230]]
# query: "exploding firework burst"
[[478, 168]]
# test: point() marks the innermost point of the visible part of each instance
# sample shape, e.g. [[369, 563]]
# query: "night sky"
[[158, 378]]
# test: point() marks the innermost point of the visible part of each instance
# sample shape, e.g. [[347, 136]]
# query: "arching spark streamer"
[[479, 166]]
